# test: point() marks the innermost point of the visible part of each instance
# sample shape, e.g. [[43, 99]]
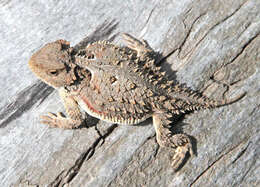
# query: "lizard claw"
[[182, 149], [142, 47], [132, 42], [56, 120], [180, 154]]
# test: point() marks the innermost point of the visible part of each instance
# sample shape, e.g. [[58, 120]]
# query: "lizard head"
[[52, 63]]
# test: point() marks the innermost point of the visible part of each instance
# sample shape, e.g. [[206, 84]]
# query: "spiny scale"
[[188, 99]]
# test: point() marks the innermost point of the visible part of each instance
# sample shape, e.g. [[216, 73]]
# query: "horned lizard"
[[119, 85]]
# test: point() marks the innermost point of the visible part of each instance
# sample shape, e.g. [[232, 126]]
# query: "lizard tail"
[[185, 99], [228, 101], [203, 103]]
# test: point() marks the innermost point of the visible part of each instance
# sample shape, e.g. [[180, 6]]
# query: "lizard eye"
[[53, 72]]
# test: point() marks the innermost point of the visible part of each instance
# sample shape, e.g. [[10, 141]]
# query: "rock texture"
[[213, 46]]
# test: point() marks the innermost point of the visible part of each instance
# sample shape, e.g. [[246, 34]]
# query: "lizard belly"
[[90, 108]]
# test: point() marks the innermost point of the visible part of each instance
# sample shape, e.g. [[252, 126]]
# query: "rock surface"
[[213, 46]]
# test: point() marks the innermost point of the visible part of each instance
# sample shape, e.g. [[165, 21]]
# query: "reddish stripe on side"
[[90, 106]]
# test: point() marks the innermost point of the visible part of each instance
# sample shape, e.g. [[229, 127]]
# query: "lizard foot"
[[59, 121], [142, 47], [184, 146]]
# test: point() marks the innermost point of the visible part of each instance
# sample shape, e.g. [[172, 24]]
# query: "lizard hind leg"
[[165, 139], [141, 47]]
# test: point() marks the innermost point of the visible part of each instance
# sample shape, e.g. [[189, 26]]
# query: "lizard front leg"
[[74, 119], [165, 139]]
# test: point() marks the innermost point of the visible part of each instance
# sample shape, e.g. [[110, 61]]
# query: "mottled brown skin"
[[119, 85]]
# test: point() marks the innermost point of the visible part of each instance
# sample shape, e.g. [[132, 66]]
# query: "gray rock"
[[213, 46]]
